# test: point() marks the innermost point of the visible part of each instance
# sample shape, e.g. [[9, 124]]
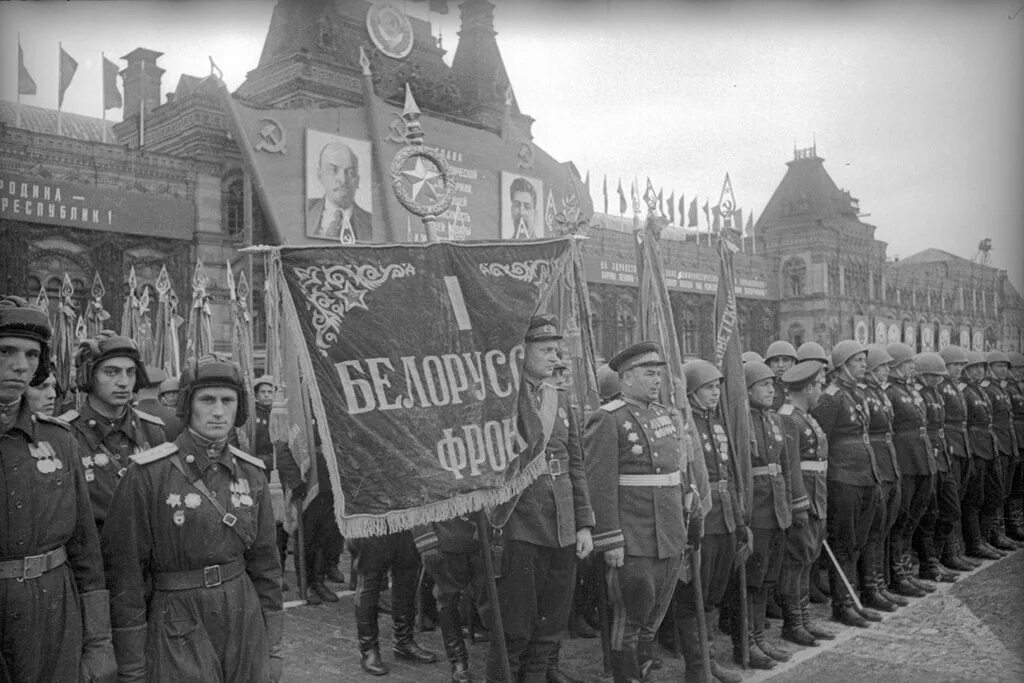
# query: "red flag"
[[734, 404], [661, 201], [604, 192], [650, 199], [111, 95], [707, 213], [26, 84], [691, 219], [68, 67], [672, 207], [622, 199]]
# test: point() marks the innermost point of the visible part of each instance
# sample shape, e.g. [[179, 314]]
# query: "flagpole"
[[60, 98], [103, 93]]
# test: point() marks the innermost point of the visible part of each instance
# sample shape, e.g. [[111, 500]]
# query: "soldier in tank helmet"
[[108, 428], [190, 551]]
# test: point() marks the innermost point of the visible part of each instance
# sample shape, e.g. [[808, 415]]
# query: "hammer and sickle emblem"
[[272, 139], [396, 130], [524, 157]]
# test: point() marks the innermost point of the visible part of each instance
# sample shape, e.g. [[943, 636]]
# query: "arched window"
[[32, 286], [794, 277], [233, 198]]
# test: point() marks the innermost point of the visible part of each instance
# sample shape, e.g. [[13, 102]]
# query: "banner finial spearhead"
[[410, 108], [364, 62]]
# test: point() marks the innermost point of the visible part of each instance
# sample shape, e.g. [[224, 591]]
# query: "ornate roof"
[[41, 120], [807, 193]]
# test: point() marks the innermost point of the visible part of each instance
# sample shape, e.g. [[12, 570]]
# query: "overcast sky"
[[917, 108]]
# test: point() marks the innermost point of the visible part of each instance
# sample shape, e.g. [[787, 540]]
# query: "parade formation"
[[447, 414]]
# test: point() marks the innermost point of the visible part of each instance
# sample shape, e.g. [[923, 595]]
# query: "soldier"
[[779, 356], [108, 428], [42, 396], [752, 357], [808, 450], [809, 351], [1015, 501], [548, 527], [853, 493], [873, 584], [955, 407], [192, 565], [167, 407], [54, 615], [724, 528], [634, 471], [771, 510], [1006, 441], [943, 510], [983, 499]]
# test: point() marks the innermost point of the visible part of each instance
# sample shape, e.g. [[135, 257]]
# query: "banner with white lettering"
[[416, 352]]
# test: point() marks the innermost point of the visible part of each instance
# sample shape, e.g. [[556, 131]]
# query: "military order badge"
[[389, 30]]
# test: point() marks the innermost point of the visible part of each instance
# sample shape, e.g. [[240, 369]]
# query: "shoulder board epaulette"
[[69, 416], [612, 406], [156, 453], [961, 386], [251, 459], [786, 409], [660, 405], [832, 389], [49, 419], [984, 383], [150, 418]]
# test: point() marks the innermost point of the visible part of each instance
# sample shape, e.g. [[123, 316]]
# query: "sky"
[[917, 108]]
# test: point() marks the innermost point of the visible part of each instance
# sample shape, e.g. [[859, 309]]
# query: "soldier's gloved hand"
[[300, 490], [98, 662], [800, 519], [615, 558]]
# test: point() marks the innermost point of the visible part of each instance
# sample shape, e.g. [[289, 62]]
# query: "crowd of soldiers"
[[146, 545]]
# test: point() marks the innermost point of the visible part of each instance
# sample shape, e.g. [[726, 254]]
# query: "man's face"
[[762, 393], [42, 398], [642, 382], [881, 373], [999, 370], [265, 395], [975, 372], [813, 391], [113, 381], [1017, 372], [19, 359], [931, 380], [857, 365], [339, 175], [169, 398], [213, 411], [523, 210], [708, 395], [905, 370], [540, 358], [779, 364], [954, 370]]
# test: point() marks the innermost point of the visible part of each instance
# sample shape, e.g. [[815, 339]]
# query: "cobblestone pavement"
[[969, 631]]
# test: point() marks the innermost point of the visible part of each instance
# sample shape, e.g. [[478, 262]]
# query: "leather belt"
[[920, 431], [769, 470], [670, 479], [957, 427], [207, 577], [554, 467], [33, 566], [814, 465], [937, 433], [722, 485], [881, 438]]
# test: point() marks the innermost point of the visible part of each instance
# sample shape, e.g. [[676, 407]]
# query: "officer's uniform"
[[955, 428], [192, 565], [275, 457], [107, 446], [49, 551], [982, 501], [943, 511], [916, 462], [853, 493]]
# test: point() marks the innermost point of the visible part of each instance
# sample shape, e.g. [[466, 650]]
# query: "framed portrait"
[[522, 207], [339, 196]]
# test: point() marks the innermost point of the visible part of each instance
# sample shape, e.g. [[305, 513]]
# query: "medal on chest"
[[46, 458], [564, 416], [723, 443], [240, 493]]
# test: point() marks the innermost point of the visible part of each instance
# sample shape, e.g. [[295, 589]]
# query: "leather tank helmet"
[[19, 318], [210, 371], [104, 346]]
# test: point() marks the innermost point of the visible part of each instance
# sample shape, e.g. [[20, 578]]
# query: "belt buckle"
[[773, 469], [33, 566], [211, 576], [556, 468], [229, 519], [723, 485]]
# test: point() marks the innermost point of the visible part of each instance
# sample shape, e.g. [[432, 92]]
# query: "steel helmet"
[[929, 363], [975, 358], [104, 346], [210, 371], [997, 356], [752, 357], [607, 382], [19, 318], [264, 379], [878, 355], [168, 385], [900, 352], [844, 351], [699, 372], [756, 372], [811, 351], [1016, 359], [953, 354], [780, 348]]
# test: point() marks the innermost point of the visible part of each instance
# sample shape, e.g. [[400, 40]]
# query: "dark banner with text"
[[416, 352]]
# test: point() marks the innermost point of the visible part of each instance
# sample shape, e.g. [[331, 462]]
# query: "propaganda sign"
[[390, 30]]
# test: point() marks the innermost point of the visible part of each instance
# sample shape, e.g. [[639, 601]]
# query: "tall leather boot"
[[842, 602], [758, 615], [757, 658], [450, 620], [793, 623], [366, 629], [950, 557], [870, 596], [689, 642], [901, 584], [997, 537], [960, 547], [814, 629], [1014, 515], [932, 570], [625, 668], [646, 659], [405, 646], [883, 590], [908, 563]]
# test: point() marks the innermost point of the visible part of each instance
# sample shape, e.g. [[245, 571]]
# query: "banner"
[[977, 340], [894, 333], [927, 337], [910, 335], [860, 330], [965, 337], [416, 353], [881, 331]]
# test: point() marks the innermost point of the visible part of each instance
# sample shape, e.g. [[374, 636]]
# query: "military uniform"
[[980, 504], [193, 567], [538, 571], [853, 494], [107, 446], [276, 457], [1015, 485], [943, 511], [958, 447], [1006, 446], [50, 563]]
